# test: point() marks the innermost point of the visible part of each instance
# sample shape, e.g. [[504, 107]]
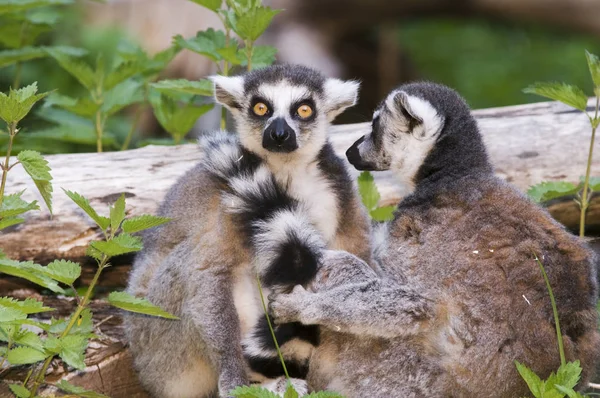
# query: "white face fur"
[[286, 104], [404, 131]]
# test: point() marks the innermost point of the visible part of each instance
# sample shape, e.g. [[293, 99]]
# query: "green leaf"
[[117, 213], [323, 394], [12, 6], [25, 355], [9, 57], [27, 306], [30, 271], [10, 221], [368, 190], [63, 271], [567, 94], [202, 87], [83, 325], [73, 350], [13, 205], [122, 244], [569, 392], [212, 5], [79, 391], [262, 56], [177, 120], [29, 339], [568, 374], [252, 392], [232, 54], [593, 183], [546, 191], [290, 392], [9, 314], [130, 303], [252, 24], [594, 67], [123, 72], [84, 204], [204, 43], [19, 390], [140, 223], [533, 381], [39, 171], [80, 106], [384, 213], [17, 104], [123, 95], [77, 68]]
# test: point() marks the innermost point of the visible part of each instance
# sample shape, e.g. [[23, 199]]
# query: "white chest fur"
[[308, 185]]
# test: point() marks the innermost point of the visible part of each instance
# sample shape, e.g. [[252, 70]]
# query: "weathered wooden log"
[[527, 144]]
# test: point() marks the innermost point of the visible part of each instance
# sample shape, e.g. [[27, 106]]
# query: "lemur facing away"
[[459, 295], [200, 266]]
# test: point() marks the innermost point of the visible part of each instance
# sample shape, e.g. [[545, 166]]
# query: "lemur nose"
[[280, 135]]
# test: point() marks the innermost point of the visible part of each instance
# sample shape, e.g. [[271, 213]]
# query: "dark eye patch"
[[376, 132], [294, 109], [255, 100]]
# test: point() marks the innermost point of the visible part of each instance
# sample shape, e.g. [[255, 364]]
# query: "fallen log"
[[527, 144]]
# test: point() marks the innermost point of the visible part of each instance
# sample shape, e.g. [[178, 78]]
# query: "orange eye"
[[305, 111], [260, 109]]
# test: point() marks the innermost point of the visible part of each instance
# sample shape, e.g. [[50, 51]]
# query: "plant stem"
[[225, 70], [98, 131], [586, 182], [136, 121], [12, 131], [561, 350], [249, 51], [18, 65], [262, 300], [39, 378]]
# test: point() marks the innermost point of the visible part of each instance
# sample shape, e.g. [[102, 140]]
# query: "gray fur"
[[459, 296], [199, 267]]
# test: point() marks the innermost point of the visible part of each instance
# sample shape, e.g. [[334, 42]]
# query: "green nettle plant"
[[575, 97], [173, 100], [563, 382], [66, 338], [370, 197]]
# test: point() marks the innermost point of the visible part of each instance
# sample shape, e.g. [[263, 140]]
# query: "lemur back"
[[200, 266], [459, 295]]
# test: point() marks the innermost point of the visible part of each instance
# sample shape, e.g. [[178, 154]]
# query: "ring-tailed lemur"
[[199, 266], [460, 295]]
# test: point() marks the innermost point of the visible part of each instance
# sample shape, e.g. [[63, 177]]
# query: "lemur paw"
[[285, 308]]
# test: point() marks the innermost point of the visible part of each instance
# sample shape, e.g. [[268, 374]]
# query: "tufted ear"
[[340, 95], [229, 90]]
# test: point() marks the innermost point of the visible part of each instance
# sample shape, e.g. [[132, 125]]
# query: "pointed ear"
[[229, 90], [340, 95], [401, 102]]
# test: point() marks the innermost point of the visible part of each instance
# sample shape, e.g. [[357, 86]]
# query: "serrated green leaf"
[[323, 394], [80, 106], [212, 5], [569, 392], [9, 314], [262, 56], [29, 339], [593, 183], [123, 95], [30, 271], [117, 213], [25, 355], [13, 6], [384, 213], [565, 93], [231, 54], [290, 392], [252, 24], [177, 120], [11, 37], [83, 325], [27, 306], [79, 391], [39, 171], [13, 205], [202, 87], [568, 374], [75, 67], [19, 390], [123, 72], [17, 104], [94, 253], [533, 381], [368, 190], [130, 303], [594, 67], [140, 223], [204, 43], [122, 244], [84, 204], [30, 322], [252, 392], [63, 271], [10, 221], [549, 190], [9, 57], [73, 350]]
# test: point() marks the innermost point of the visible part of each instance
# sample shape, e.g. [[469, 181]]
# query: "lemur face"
[[284, 109], [404, 130]]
